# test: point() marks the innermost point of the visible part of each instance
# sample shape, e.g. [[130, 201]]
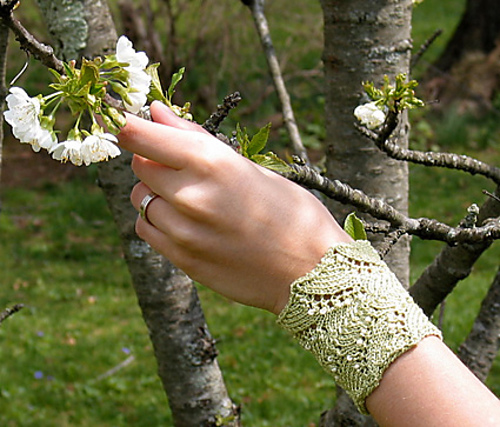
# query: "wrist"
[[355, 317]]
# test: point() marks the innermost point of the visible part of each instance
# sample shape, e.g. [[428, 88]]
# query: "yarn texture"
[[352, 313]]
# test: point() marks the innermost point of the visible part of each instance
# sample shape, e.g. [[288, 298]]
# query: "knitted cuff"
[[352, 313]]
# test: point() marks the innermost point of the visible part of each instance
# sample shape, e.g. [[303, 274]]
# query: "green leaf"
[[354, 227], [259, 141], [57, 76], [156, 91], [272, 161], [69, 69], [176, 78], [243, 140], [89, 73]]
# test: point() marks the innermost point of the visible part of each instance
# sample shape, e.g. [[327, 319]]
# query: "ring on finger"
[[143, 207]]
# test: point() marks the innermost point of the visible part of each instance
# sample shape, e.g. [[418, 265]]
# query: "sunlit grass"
[[60, 257]]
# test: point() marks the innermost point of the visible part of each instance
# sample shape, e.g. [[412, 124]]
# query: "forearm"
[[366, 331], [429, 386]]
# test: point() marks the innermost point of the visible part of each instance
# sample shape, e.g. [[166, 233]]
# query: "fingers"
[[179, 229], [163, 144], [158, 214], [172, 144], [160, 179], [169, 140], [164, 115]]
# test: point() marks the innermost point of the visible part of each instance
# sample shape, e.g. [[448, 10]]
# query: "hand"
[[230, 224]]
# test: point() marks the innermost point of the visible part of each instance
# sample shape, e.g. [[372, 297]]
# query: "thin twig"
[[257, 9], [10, 311], [491, 195], [391, 238], [212, 124], [425, 228], [429, 158], [116, 368], [44, 53], [4, 43], [424, 47]]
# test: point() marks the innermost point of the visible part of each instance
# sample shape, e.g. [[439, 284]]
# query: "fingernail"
[[164, 107]]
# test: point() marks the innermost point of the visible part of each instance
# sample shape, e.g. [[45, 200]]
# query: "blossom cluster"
[[84, 91], [390, 97], [370, 115]]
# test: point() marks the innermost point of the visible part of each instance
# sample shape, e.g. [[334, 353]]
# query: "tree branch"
[[452, 264], [4, 43], [424, 47], [10, 311], [425, 228], [213, 123], [429, 158], [42, 52], [257, 9], [480, 348]]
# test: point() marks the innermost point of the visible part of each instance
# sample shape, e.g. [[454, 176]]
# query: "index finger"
[[170, 143]]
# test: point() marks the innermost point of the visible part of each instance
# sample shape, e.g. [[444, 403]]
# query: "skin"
[[219, 216], [248, 233]]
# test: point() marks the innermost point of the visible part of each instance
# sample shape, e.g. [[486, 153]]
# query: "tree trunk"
[[4, 41], [365, 40], [478, 31], [184, 349], [480, 348]]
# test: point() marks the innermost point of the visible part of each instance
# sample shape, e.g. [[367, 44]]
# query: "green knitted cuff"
[[352, 313]]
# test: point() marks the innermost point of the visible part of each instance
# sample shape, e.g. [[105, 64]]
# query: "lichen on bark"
[[67, 25]]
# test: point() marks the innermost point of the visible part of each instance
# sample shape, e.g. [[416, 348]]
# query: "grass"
[[76, 326]]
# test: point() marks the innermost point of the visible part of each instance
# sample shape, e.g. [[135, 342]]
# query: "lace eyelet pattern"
[[352, 313]]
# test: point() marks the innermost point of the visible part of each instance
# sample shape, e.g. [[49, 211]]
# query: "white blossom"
[[138, 80], [45, 139], [23, 115], [370, 115], [70, 150], [99, 147]]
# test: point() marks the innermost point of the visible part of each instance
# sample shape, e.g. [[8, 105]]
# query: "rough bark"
[[4, 41], [478, 31], [481, 347], [452, 264], [184, 349], [365, 40], [67, 26]]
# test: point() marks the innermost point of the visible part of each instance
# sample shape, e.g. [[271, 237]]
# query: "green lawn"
[[61, 258]]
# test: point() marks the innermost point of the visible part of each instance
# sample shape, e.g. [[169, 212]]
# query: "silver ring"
[[143, 207]]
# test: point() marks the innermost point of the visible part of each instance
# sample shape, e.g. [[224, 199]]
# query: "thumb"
[[161, 113]]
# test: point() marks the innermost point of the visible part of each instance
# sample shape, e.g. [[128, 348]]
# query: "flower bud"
[[370, 115]]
